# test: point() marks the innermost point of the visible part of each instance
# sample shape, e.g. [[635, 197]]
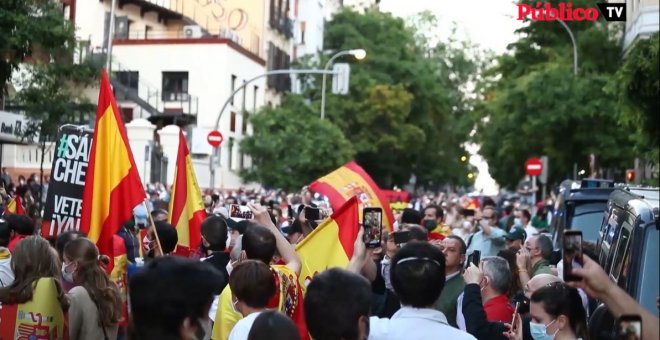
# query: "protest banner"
[[65, 190]]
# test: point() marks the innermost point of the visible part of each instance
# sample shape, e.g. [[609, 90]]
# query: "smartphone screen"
[[629, 327], [401, 237], [372, 222], [572, 253], [515, 315], [474, 258], [240, 212]]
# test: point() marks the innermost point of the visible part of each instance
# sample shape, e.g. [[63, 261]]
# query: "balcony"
[[645, 22]]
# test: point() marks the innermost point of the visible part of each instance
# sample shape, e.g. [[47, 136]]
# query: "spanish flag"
[[351, 180], [40, 318], [186, 206], [330, 244], [112, 185], [15, 206]]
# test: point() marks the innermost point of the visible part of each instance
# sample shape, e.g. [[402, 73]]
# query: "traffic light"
[[630, 176]]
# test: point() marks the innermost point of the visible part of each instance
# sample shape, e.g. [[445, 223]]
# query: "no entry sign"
[[534, 166], [215, 138]]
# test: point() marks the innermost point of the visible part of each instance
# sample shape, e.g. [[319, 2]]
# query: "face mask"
[[68, 277], [517, 222], [233, 305], [430, 224], [539, 331], [484, 223], [229, 267]]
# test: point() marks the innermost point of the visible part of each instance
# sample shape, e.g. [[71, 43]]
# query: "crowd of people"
[[451, 267]]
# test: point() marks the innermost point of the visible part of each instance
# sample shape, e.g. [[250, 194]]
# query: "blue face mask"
[[539, 331], [516, 222]]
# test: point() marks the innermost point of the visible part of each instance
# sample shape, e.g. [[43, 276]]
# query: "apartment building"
[[642, 20]]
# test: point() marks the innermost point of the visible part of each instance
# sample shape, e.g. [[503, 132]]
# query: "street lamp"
[[575, 52], [358, 54]]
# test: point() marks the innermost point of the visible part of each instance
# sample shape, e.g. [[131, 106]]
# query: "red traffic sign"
[[214, 138], [534, 166]]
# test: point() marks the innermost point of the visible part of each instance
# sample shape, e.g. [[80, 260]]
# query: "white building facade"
[[174, 64], [642, 20]]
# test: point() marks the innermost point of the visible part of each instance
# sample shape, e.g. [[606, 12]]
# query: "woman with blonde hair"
[[95, 300]]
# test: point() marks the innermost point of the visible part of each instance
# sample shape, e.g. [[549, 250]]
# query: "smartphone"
[[515, 315], [240, 212], [629, 327], [401, 237], [372, 222], [572, 253], [312, 214], [475, 258]]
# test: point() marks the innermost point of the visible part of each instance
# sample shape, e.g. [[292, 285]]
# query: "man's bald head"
[[538, 281]]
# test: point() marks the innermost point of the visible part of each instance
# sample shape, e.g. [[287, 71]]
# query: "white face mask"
[[229, 267], [68, 277]]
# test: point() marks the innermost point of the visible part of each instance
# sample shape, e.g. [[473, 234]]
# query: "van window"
[[587, 218], [648, 283], [621, 250]]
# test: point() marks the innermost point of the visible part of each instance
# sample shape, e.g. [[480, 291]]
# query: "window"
[[175, 86], [230, 154], [129, 79], [241, 160], [244, 95], [647, 273], [232, 121], [246, 118], [620, 253], [587, 218], [302, 32], [233, 88], [254, 98]]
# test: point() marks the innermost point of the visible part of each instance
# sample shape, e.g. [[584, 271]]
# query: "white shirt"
[[6, 274], [460, 319], [415, 324], [242, 328], [530, 231]]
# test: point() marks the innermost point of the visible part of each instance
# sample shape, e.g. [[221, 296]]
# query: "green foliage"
[[34, 33], [637, 86], [533, 105], [291, 146]]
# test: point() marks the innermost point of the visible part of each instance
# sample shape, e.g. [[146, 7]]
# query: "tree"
[[34, 34], [430, 132], [636, 85], [291, 146], [533, 105]]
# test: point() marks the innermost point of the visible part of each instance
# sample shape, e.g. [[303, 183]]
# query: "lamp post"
[[359, 54], [575, 52]]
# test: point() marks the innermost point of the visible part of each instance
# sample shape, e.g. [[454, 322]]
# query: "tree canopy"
[[407, 110], [533, 105]]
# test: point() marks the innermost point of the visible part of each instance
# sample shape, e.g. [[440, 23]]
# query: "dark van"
[[628, 243], [580, 206]]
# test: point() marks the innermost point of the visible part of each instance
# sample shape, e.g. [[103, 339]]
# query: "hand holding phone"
[[474, 258], [571, 254], [372, 222]]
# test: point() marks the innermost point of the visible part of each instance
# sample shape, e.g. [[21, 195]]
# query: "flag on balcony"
[[186, 206], [15, 206], [112, 185], [351, 180]]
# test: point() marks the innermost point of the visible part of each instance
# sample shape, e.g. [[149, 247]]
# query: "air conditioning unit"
[[192, 31]]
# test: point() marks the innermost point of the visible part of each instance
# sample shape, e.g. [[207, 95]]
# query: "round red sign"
[[215, 138], [534, 166]]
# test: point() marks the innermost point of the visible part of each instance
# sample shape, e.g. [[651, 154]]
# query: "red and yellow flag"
[[186, 206], [112, 185], [349, 181], [330, 244], [40, 318], [15, 206]]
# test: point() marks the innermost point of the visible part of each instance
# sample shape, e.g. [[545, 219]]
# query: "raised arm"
[[284, 248]]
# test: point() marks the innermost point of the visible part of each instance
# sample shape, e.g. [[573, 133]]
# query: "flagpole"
[[111, 34], [153, 226]]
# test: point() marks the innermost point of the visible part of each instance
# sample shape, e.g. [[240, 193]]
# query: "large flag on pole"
[[15, 206], [187, 210], [112, 185], [349, 181], [330, 244]]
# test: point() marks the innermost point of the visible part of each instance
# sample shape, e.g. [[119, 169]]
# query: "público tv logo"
[[543, 11]]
